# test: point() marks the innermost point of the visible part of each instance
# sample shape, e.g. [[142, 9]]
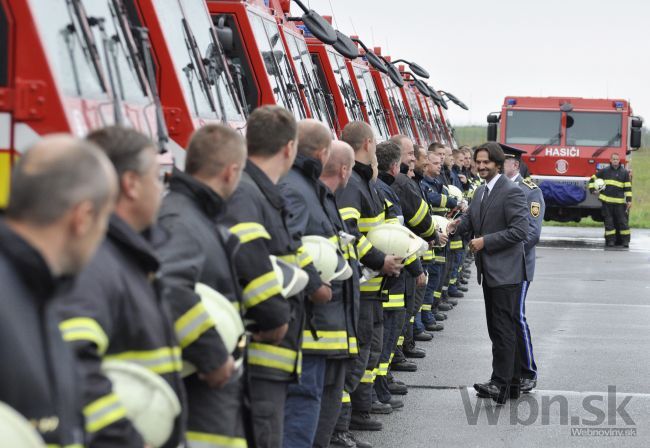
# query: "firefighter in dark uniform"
[[61, 196], [362, 209], [199, 251], [258, 215], [326, 340], [616, 198], [115, 310]]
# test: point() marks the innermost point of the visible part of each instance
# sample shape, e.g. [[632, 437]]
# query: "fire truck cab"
[[70, 71], [566, 141]]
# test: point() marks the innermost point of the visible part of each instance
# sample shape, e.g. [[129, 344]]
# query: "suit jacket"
[[536, 210], [504, 228]]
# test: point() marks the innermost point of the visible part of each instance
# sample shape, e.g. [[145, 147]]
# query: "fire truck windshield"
[[345, 86], [398, 108], [313, 90], [373, 105], [281, 78], [532, 127], [200, 22], [66, 49], [594, 129], [127, 83]]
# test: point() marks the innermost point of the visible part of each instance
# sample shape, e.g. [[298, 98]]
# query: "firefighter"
[[362, 209], [326, 341], [536, 208], [199, 250], [115, 309], [616, 198], [62, 193], [258, 215]]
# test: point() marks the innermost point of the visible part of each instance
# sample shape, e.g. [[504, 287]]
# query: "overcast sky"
[[482, 51]]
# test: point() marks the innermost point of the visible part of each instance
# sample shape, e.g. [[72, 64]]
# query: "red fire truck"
[[566, 141], [66, 66]]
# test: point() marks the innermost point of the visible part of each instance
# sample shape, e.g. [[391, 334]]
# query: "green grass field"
[[640, 214]]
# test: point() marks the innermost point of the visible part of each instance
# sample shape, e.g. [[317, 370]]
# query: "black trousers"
[[267, 409], [616, 223], [330, 408], [502, 316]]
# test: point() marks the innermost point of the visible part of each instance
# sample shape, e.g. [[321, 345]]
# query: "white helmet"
[[441, 223], [455, 192], [393, 239], [150, 403], [292, 279], [599, 184], [327, 258], [228, 322], [15, 430]]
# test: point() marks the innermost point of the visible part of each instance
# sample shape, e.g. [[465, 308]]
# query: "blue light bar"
[[618, 104], [511, 102], [305, 30]]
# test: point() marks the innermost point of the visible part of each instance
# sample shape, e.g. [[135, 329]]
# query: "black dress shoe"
[[395, 403], [404, 366], [380, 408], [363, 421], [434, 326], [500, 394], [343, 439], [462, 288], [527, 385], [609, 244], [415, 353], [452, 302], [397, 389], [440, 316], [457, 294], [360, 443], [422, 337], [444, 306]]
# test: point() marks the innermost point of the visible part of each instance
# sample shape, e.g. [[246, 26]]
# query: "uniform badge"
[[535, 208]]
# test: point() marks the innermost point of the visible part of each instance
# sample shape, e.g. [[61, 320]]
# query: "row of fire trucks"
[[169, 67]]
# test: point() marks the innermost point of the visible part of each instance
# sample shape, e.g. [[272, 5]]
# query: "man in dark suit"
[[498, 224]]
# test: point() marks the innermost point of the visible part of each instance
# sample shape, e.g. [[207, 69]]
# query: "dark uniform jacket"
[[306, 199], [115, 311], [536, 209], [362, 209], [37, 377], [618, 185], [257, 215], [199, 250]]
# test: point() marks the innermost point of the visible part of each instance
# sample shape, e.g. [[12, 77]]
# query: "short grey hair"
[[126, 148]]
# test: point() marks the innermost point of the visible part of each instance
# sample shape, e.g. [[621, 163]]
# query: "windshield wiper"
[[550, 141], [198, 67], [68, 38], [606, 146], [118, 13], [226, 74], [87, 36]]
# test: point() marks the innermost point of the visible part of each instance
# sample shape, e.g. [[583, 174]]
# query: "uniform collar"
[[205, 197], [30, 264], [386, 178], [135, 244], [493, 182], [309, 166], [516, 178], [363, 170], [268, 188]]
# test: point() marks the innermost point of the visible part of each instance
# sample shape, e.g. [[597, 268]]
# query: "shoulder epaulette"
[[529, 183]]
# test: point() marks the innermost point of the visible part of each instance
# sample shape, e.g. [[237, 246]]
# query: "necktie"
[[484, 200]]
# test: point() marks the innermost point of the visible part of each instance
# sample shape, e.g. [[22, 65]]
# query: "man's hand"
[[476, 244], [463, 206], [442, 238], [322, 295], [392, 265], [462, 178], [628, 205], [452, 226], [421, 280], [273, 336], [219, 376]]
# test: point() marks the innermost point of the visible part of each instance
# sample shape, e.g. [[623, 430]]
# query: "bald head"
[[56, 174], [313, 137], [338, 168]]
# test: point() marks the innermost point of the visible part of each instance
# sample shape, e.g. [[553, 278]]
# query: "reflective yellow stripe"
[[383, 369], [367, 224], [363, 246], [349, 213], [303, 257], [84, 329], [5, 177], [410, 259], [249, 231], [611, 200], [610, 232], [628, 194], [419, 215], [614, 183], [353, 346], [443, 200], [426, 307], [191, 325], [372, 285], [437, 294], [392, 221], [394, 301], [400, 341], [367, 377], [262, 288], [388, 203], [272, 357], [625, 232], [327, 340], [428, 255], [440, 259], [455, 245], [345, 398], [160, 361], [103, 412], [628, 184], [430, 231], [412, 319], [205, 440]]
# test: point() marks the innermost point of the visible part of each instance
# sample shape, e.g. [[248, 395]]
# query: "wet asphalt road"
[[589, 313]]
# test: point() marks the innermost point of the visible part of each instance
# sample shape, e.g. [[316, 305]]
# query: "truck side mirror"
[[224, 34], [492, 132], [635, 138]]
